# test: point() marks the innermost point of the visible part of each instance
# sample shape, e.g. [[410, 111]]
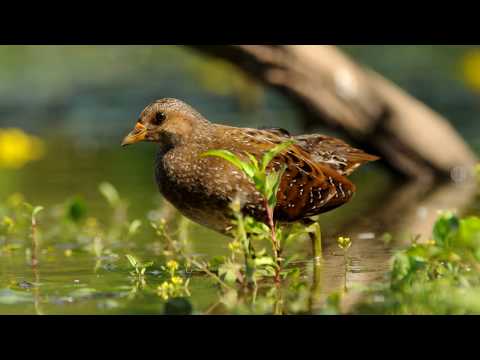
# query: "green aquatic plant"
[[76, 209], [267, 183], [110, 193], [344, 243], [137, 274], [71, 230], [7, 225], [119, 217], [134, 227], [171, 247], [138, 267], [35, 210], [175, 286], [438, 276]]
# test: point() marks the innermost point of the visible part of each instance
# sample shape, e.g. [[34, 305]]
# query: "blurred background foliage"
[[67, 89], [92, 92], [65, 109], [81, 100]]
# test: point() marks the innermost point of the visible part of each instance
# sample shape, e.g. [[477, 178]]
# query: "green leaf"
[[134, 226], [469, 233], [270, 179], [36, 210], [146, 264], [253, 159], [445, 228], [76, 209], [233, 159], [255, 227], [401, 267], [230, 271], [215, 262], [269, 155], [273, 180], [260, 181], [264, 261], [132, 260], [278, 180], [110, 193]]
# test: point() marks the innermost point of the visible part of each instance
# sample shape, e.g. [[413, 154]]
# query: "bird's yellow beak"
[[136, 135]]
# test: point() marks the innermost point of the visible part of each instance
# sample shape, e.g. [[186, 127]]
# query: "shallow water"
[[69, 280]]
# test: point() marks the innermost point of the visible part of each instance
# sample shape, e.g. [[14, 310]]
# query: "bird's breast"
[[199, 188]]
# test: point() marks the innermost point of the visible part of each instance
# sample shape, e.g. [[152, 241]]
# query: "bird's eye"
[[159, 117]]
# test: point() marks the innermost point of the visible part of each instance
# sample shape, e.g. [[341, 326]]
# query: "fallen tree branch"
[[371, 111]]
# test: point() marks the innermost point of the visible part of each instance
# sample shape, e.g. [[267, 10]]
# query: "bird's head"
[[166, 121]]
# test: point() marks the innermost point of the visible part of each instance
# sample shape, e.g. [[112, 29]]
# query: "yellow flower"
[[172, 265], [234, 246], [163, 294], [17, 148], [177, 280], [344, 242], [471, 69], [165, 290]]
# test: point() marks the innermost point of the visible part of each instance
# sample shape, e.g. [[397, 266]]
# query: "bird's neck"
[[185, 131]]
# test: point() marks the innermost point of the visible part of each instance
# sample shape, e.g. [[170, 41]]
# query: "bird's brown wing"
[[308, 187], [334, 152]]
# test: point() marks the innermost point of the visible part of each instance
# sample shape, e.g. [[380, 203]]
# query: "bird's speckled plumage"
[[203, 187]]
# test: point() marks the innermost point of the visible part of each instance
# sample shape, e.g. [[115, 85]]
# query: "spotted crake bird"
[[202, 188]]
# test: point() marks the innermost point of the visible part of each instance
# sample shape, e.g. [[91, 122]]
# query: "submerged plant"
[[119, 207], [437, 275], [35, 210], [139, 268], [175, 286], [344, 243]]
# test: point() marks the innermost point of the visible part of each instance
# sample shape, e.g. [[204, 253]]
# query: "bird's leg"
[[315, 234], [316, 289]]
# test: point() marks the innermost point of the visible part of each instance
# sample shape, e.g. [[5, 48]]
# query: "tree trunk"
[[370, 110]]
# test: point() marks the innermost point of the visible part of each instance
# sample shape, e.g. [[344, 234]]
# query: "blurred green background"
[[65, 109], [81, 101]]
